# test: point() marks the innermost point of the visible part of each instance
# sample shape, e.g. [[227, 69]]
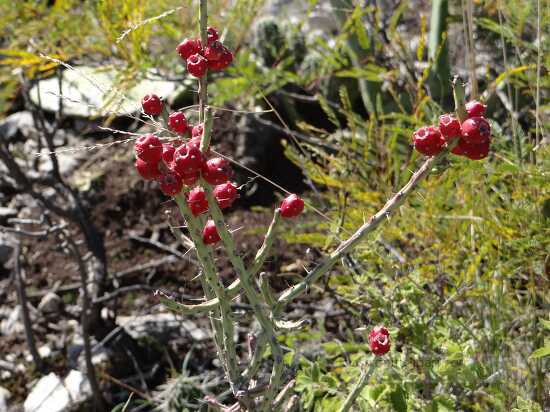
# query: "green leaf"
[[541, 352]]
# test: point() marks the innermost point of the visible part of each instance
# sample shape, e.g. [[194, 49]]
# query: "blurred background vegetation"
[[461, 274]]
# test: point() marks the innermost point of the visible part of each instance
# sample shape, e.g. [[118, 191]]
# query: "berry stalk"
[[357, 389]]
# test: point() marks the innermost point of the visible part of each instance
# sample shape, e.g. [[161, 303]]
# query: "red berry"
[[428, 140], [476, 130], [196, 200], [224, 61], [187, 161], [168, 153], [291, 206], [197, 65], [190, 179], [170, 183], [148, 148], [475, 108], [149, 171], [379, 340], [196, 131], [151, 104], [477, 151], [212, 35], [214, 51], [177, 122], [188, 47], [449, 126], [210, 234], [194, 142], [225, 194], [461, 148], [216, 171]]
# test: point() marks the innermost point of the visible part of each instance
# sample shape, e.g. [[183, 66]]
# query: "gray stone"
[[20, 124], [92, 91], [7, 247], [161, 324], [51, 394], [12, 324], [4, 398], [50, 303]]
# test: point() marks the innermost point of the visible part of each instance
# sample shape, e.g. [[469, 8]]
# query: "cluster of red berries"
[[379, 340], [199, 59], [474, 134]]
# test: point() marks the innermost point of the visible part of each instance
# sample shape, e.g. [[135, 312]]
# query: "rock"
[[48, 395], [6, 213], [12, 324], [78, 386], [51, 394], [161, 324], [44, 351], [20, 124], [4, 397], [7, 247], [91, 91], [50, 303]]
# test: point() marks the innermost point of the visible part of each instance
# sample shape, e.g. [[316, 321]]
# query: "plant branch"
[[356, 391]]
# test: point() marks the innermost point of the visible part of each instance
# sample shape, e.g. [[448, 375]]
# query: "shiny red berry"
[[148, 148], [449, 126], [149, 171], [177, 122], [197, 65], [196, 131], [191, 178], [212, 34], [196, 200], [170, 183], [216, 171], [225, 60], [476, 130], [188, 160], [379, 340], [460, 148], [194, 142], [475, 108], [291, 206], [213, 52], [477, 151], [428, 140], [210, 234], [151, 104], [188, 47], [168, 153], [225, 194]]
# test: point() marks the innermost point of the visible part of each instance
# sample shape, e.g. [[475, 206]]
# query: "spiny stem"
[[356, 391], [207, 263], [203, 93], [458, 95], [249, 290], [347, 245], [261, 256]]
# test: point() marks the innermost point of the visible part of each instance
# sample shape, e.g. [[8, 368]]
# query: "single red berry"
[[476, 130], [170, 183], [149, 171], [196, 200], [379, 340], [177, 122], [196, 131], [148, 148], [212, 34], [194, 142], [428, 140], [225, 194], [475, 108], [210, 234], [151, 104], [190, 179], [214, 51], [188, 47], [477, 151], [187, 161], [197, 65], [216, 171], [291, 206], [449, 126], [224, 61], [168, 153], [461, 147]]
